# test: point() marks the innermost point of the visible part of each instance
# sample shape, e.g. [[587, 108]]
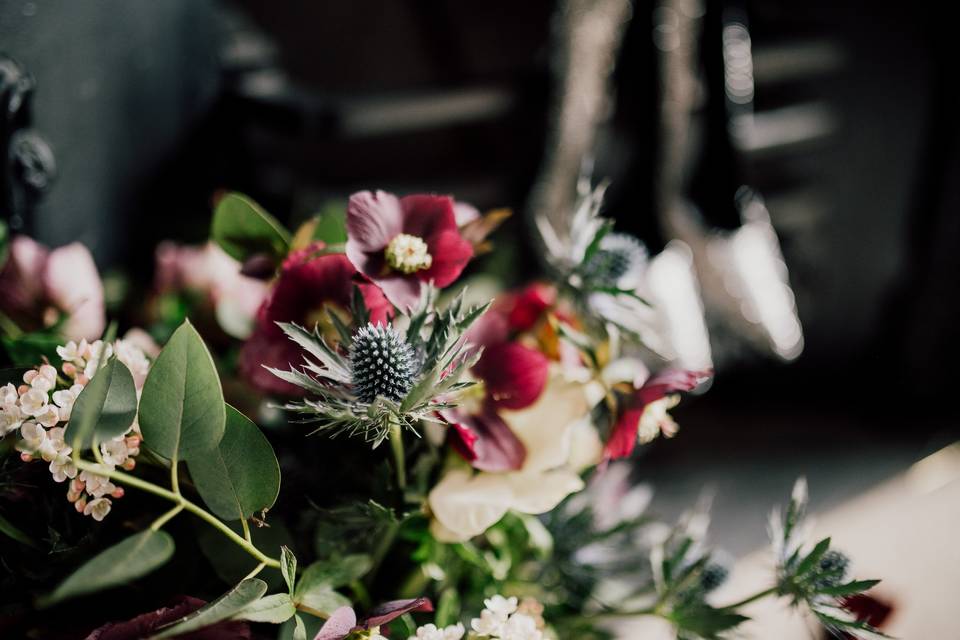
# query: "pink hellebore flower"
[[309, 285], [402, 244], [624, 437], [343, 621], [36, 280]]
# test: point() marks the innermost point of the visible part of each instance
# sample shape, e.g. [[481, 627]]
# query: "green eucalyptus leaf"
[[231, 563], [4, 243], [274, 609], [335, 573], [105, 408], [181, 407], [300, 627], [288, 567], [241, 475], [223, 608], [242, 228], [135, 556], [322, 599]]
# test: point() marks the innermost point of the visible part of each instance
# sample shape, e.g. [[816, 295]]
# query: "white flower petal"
[[536, 493], [467, 505]]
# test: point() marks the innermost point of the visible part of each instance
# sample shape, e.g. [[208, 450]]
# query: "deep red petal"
[[426, 215], [514, 375], [485, 441], [623, 438], [491, 328], [147, 624], [271, 350], [530, 304], [450, 254]]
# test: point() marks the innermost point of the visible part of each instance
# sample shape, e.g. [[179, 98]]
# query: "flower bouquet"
[[346, 443]]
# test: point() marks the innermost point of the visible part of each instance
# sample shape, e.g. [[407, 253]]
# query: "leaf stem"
[[246, 529], [399, 458], [174, 476], [753, 598], [257, 569], [195, 509], [166, 517]]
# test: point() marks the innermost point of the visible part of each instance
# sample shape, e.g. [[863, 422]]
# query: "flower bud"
[[117, 493], [80, 505], [129, 464], [26, 457]]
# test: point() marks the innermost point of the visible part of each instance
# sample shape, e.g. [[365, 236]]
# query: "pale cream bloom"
[[98, 508]]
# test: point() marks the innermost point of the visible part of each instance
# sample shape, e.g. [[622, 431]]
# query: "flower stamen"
[[408, 254]]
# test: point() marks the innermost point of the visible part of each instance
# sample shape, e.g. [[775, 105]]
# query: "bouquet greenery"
[[434, 463]]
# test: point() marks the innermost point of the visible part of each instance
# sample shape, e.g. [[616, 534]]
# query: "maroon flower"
[[309, 286], [513, 376], [623, 439], [404, 243], [344, 620]]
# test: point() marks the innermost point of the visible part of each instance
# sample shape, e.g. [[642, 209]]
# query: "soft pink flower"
[[36, 279], [427, 226]]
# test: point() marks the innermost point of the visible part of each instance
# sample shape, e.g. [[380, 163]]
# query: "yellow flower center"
[[408, 254]]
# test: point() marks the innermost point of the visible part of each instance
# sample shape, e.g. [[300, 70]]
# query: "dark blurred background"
[[846, 125]]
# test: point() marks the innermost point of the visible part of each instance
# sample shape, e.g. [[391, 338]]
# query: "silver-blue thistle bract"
[[382, 364], [617, 255]]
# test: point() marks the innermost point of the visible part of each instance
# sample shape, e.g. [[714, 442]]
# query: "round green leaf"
[[181, 406], [242, 228], [274, 609], [241, 475], [223, 608], [105, 408], [125, 561]]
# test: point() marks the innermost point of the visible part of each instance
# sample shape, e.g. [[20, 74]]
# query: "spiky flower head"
[[713, 576], [833, 568], [618, 254], [382, 363]]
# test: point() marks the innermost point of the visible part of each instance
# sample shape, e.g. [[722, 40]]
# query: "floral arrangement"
[[454, 463]]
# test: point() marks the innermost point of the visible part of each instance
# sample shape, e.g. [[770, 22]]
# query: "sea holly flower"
[[645, 416], [377, 378], [310, 287], [403, 244]]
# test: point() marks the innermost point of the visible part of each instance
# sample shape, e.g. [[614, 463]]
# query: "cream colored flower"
[[465, 504], [98, 508]]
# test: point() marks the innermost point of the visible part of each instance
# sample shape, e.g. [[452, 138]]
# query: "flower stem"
[[753, 598], [257, 569], [181, 501], [166, 517], [399, 458]]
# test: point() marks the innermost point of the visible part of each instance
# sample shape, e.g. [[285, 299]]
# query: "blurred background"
[[800, 160]]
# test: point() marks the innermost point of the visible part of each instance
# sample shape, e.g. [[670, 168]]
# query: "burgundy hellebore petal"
[[530, 304], [392, 610], [514, 375], [307, 283], [485, 440], [147, 624], [623, 438]]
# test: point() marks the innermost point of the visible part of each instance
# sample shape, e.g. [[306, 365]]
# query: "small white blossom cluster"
[[40, 411], [501, 619]]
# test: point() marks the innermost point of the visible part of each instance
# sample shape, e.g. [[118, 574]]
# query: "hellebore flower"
[[147, 624], [309, 285], [402, 244], [559, 441], [37, 281], [646, 414]]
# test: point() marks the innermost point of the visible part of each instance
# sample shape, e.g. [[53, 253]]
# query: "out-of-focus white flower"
[[465, 504], [72, 351], [520, 627], [488, 624], [49, 416], [72, 283], [98, 352], [431, 632], [655, 420], [64, 399], [98, 508], [501, 606], [97, 485]]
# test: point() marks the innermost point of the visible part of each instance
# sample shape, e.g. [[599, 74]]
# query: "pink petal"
[[392, 610], [427, 215], [373, 220], [465, 213], [450, 253], [514, 375], [402, 291], [267, 349], [668, 381], [20, 276], [338, 626], [72, 283], [491, 328], [485, 441]]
